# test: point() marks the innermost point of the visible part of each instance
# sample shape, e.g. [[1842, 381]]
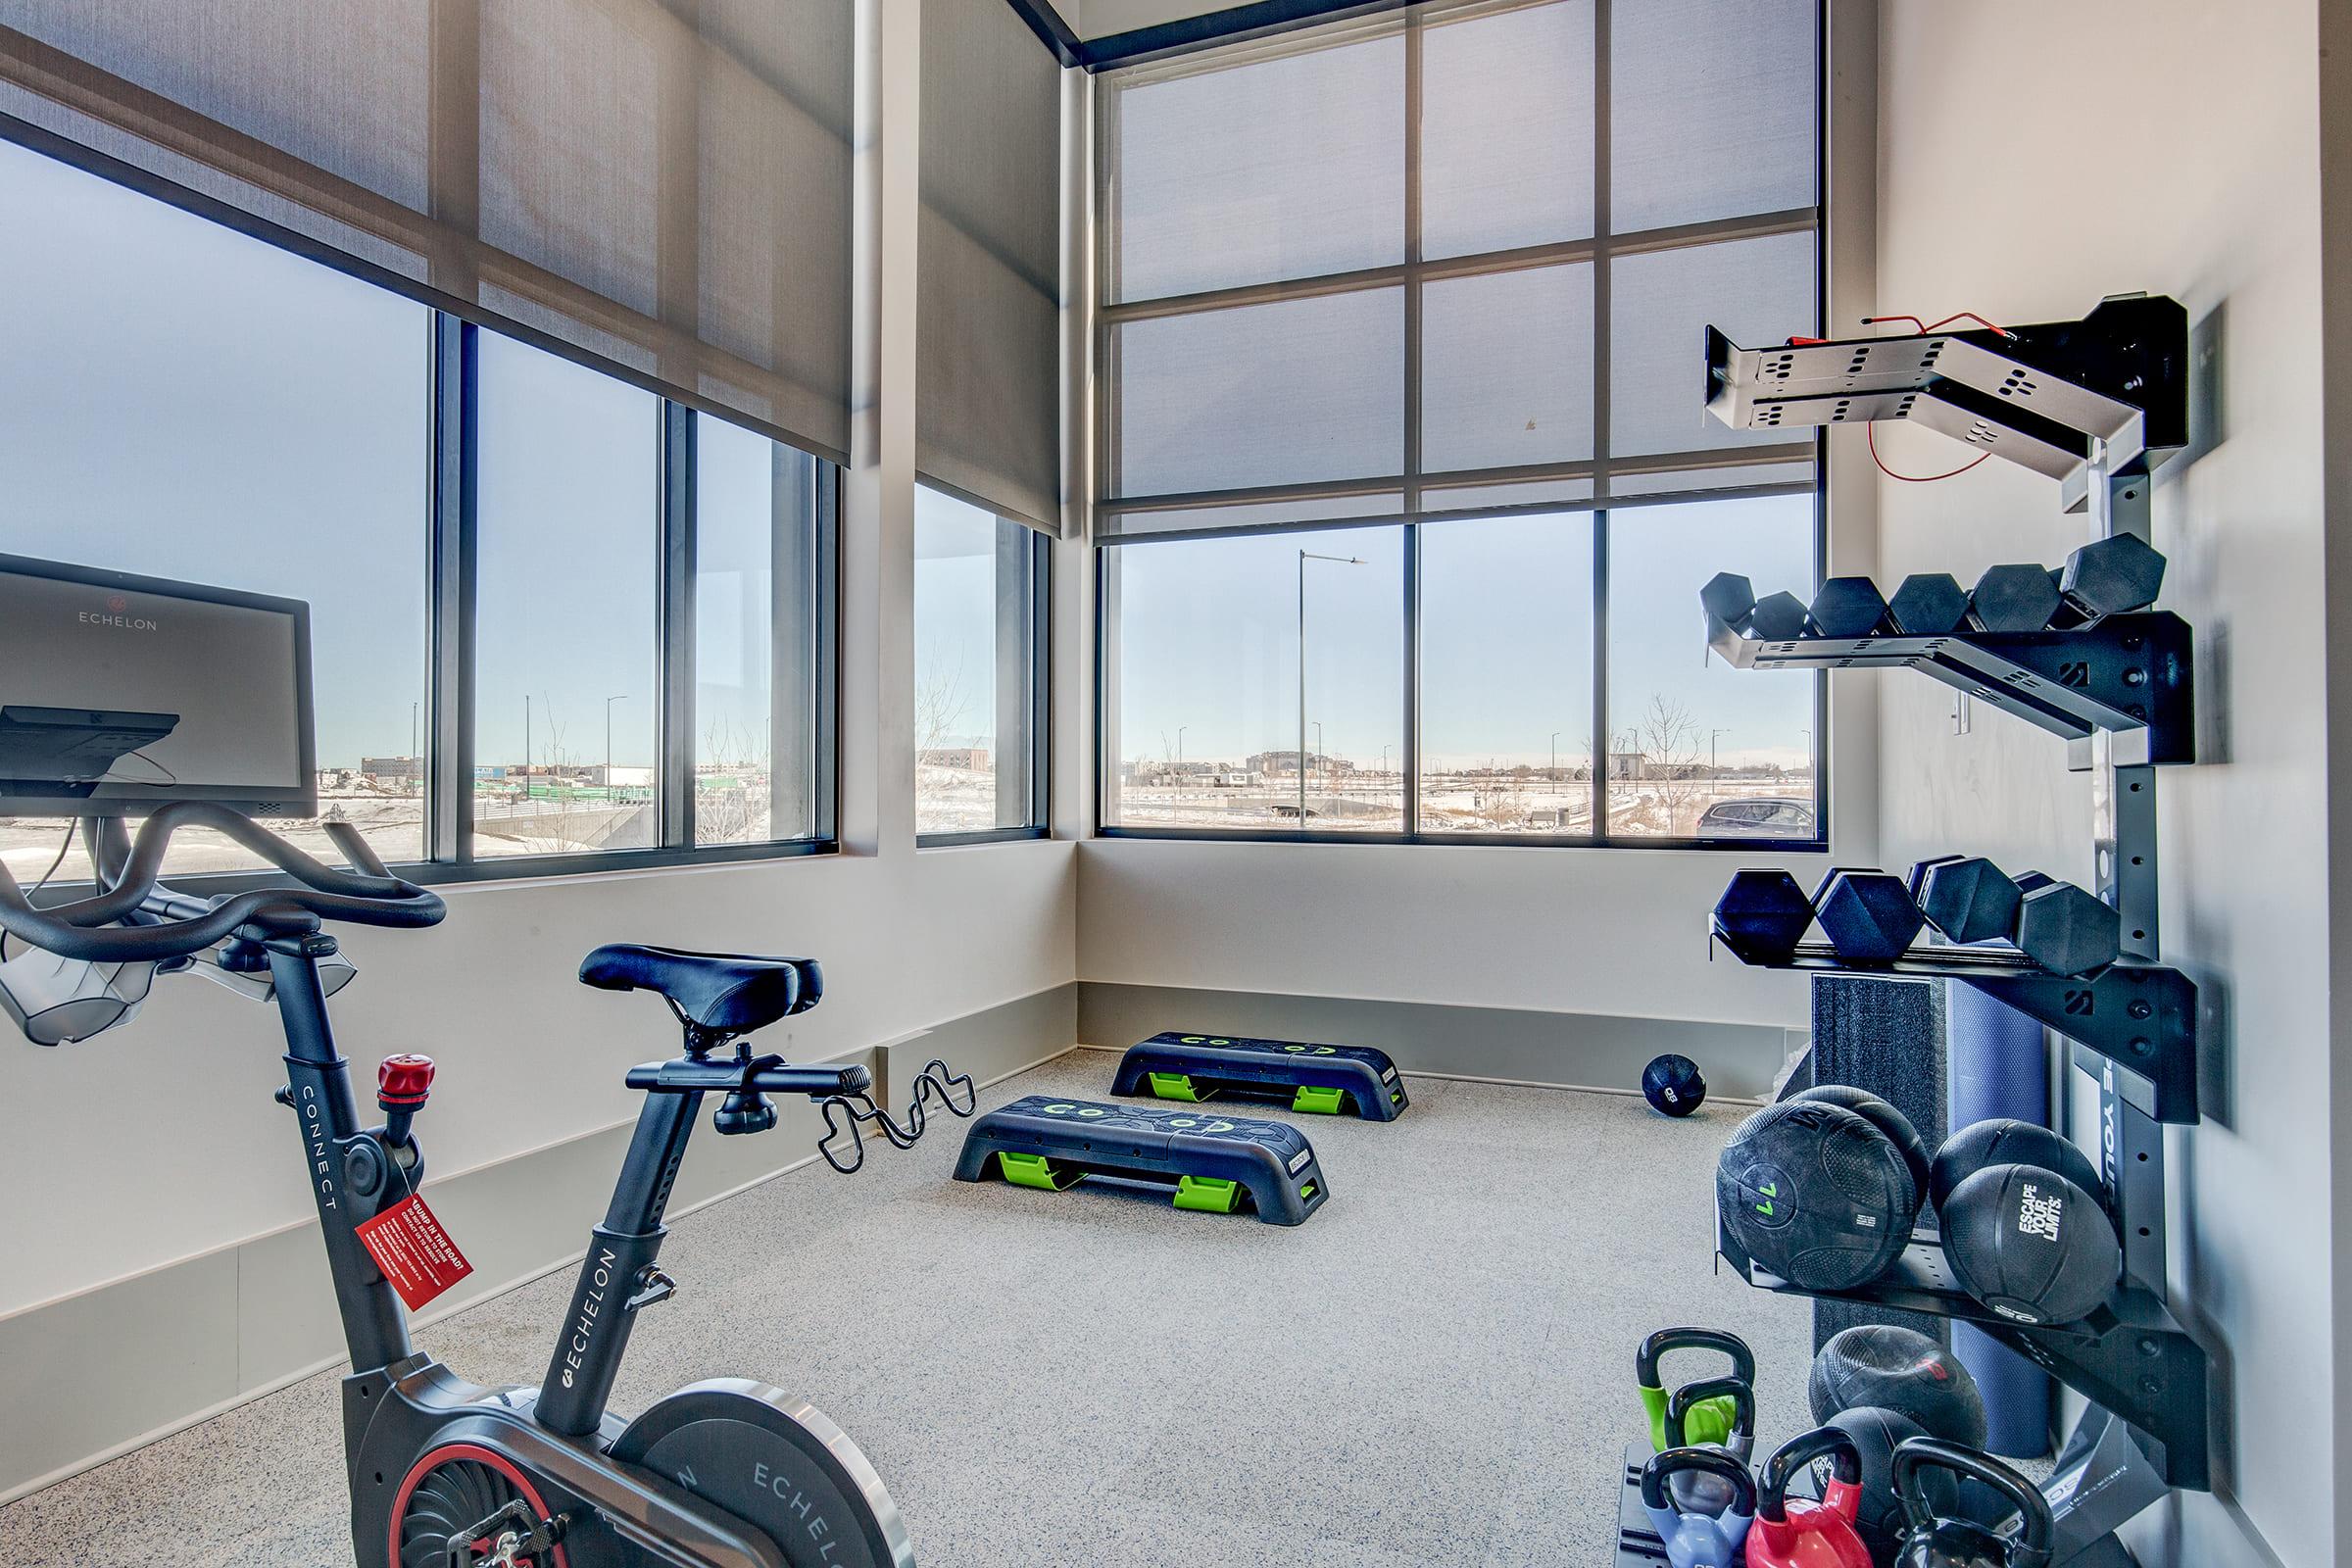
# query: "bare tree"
[[939, 704], [1667, 740]]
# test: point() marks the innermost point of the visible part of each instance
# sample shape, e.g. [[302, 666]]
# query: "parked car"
[[1764, 816]]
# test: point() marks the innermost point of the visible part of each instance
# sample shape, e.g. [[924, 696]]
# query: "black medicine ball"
[[2006, 1141], [1672, 1086], [1881, 1523], [1882, 1116], [1816, 1194], [2031, 1245], [1901, 1370]]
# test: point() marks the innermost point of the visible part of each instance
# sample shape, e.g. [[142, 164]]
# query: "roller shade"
[[663, 185], [1459, 257], [988, 374]]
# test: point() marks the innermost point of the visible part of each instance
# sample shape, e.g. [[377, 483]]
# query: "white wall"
[[1618, 932], [160, 1141], [2033, 158]]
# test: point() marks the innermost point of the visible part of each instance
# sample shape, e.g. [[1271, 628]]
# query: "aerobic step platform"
[[1215, 1163], [1324, 1079]]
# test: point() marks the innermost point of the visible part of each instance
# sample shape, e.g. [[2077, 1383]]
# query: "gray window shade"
[[666, 189], [1287, 393], [1506, 369], [1358, 265], [987, 374], [1711, 110], [1506, 130], [1289, 167]]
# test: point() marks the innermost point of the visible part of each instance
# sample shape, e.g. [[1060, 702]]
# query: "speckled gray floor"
[[1434, 1369]]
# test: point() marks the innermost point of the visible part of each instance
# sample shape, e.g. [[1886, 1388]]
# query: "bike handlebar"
[[88, 929]]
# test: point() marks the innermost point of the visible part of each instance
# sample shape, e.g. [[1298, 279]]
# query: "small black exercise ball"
[[1815, 1193], [1875, 1432], [1902, 1370], [2031, 1245], [1672, 1086]]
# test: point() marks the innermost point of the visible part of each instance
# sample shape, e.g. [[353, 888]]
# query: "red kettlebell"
[[1797, 1531]]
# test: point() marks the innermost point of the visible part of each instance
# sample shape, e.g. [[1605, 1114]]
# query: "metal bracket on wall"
[[2130, 676], [2129, 1356]]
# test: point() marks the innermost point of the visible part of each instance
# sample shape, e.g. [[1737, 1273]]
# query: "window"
[[1256, 683], [1442, 276], [568, 551], [240, 416], [186, 401], [979, 724], [758, 571]]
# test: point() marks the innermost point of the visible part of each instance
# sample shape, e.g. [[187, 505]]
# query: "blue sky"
[[1208, 637]]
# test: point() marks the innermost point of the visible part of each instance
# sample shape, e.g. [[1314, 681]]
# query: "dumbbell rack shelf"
[[2062, 398], [2130, 675], [2142, 1018], [2129, 1356]]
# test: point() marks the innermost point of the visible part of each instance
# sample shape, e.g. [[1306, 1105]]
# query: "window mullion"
[[674, 766], [456, 457], [1601, 735]]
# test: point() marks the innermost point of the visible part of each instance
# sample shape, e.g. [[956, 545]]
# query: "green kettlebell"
[[1710, 1420]]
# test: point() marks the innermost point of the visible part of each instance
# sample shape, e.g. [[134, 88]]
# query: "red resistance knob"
[[403, 1082]]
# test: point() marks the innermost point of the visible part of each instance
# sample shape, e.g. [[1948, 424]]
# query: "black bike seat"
[[727, 992]]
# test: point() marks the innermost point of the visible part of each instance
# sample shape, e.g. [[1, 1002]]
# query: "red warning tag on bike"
[[415, 1253]]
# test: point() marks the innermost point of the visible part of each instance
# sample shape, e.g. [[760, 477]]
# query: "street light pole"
[[1180, 730], [1554, 772], [1714, 768], [526, 746], [1305, 556]]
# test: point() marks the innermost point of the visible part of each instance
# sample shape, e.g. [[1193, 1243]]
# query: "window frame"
[[1039, 648], [1412, 273]]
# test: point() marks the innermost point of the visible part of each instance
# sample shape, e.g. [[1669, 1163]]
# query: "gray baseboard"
[[107, 1369], [1509, 1045]]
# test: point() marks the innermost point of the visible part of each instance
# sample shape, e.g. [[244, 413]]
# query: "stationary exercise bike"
[[445, 1474]]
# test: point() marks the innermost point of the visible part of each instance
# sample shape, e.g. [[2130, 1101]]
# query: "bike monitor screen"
[[119, 693]]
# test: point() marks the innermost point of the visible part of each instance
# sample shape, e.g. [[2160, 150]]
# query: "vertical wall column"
[[877, 524]]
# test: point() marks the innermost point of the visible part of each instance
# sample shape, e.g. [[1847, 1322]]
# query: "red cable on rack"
[[1869, 431]]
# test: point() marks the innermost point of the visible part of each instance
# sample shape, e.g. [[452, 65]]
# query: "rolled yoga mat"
[[1887, 1037], [1997, 1065]]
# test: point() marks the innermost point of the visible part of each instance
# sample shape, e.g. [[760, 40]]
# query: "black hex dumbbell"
[[1929, 603], [1778, 618], [1763, 915], [1848, 607], [2013, 598], [2064, 928], [1728, 597], [1867, 916], [2109, 576], [1967, 897]]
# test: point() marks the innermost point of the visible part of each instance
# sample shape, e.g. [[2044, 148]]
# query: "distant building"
[[1285, 764], [401, 768], [617, 778], [974, 758]]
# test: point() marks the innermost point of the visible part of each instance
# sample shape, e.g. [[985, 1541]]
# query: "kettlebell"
[[1697, 1540], [1705, 1493], [1797, 1531], [1710, 1422], [1934, 1542]]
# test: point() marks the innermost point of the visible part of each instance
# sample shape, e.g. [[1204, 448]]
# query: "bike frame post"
[[375, 1328], [620, 1264]]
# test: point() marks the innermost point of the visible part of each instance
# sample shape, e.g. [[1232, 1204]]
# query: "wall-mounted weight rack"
[[2096, 404]]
